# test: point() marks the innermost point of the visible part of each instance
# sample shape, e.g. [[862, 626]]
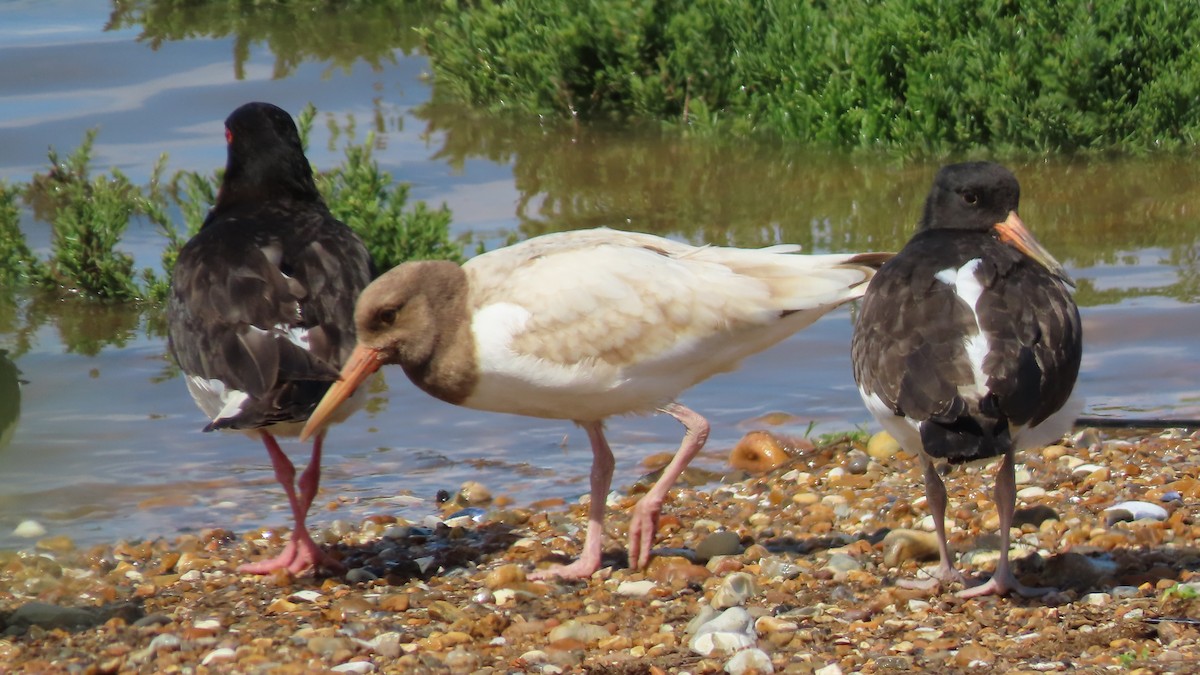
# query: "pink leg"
[[1003, 581], [643, 522], [602, 470], [935, 495], [301, 552]]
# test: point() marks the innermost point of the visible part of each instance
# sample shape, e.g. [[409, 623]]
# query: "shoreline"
[[803, 561]]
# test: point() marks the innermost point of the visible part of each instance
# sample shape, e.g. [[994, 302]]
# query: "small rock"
[[50, 616], [504, 576], [306, 595], [534, 656], [882, 446], [461, 661], [842, 563], [734, 590], [974, 656], [1097, 599], [220, 655], [636, 589], [386, 645], [772, 624], [831, 669], [1033, 515], [775, 567], [724, 542], [577, 630], [328, 646], [474, 493], [1031, 492], [29, 529], [360, 575], [165, 641], [440, 610], [750, 661], [759, 452], [856, 462], [1134, 510], [57, 544], [355, 667], [902, 545], [727, 632], [676, 571]]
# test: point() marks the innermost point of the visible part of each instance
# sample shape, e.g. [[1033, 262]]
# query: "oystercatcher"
[[968, 344], [589, 324], [260, 314]]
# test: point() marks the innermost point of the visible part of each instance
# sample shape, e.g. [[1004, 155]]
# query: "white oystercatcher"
[[588, 324], [261, 311], [968, 344]]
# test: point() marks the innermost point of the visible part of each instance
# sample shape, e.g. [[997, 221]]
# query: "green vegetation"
[[89, 215], [1181, 591], [16, 261], [336, 33], [926, 77]]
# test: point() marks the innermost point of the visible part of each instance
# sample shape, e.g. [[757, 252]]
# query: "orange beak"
[[362, 363], [1012, 232]]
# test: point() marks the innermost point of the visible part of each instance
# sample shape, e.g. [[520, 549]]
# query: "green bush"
[[89, 215], [925, 77], [16, 261]]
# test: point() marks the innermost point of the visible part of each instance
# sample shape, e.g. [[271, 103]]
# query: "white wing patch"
[[966, 285], [296, 335], [217, 401]]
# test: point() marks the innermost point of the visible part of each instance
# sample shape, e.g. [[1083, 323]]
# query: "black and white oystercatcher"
[[968, 344], [588, 324], [261, 311]]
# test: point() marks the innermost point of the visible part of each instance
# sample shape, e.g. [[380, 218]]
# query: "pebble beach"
[[789, 562]]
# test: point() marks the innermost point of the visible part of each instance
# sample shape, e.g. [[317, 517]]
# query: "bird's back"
[[598, 322], [260, 315], [975, 344]]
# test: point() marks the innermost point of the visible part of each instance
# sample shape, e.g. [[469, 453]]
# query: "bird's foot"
[[297, 558], [643, 525], [582, 568], [939, 576], [1004, 584]]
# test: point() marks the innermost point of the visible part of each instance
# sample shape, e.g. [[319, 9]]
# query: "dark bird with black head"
[[968, 344], [261, 308]]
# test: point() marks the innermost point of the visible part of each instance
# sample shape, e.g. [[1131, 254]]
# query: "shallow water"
[[108, 442]]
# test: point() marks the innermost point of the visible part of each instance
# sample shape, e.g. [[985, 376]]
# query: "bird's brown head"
[[983, 197], [398, 319]]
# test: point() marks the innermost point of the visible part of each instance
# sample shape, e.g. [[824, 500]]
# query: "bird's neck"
[[444, 364]]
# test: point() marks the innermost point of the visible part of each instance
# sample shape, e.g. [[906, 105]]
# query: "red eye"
[[228, 136]]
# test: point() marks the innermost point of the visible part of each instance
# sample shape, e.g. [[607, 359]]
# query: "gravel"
[[797, 572]]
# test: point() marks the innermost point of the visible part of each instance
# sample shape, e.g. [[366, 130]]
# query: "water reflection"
[[749, 193], [10, 398], [295, 32]]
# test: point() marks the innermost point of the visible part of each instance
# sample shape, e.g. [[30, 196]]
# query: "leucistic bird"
[[261, 309], [968, 344], [589, 324]]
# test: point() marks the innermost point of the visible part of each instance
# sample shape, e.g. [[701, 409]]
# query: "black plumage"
[[968, 341], [260, 314]]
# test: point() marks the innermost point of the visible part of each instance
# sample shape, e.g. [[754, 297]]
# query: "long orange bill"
[[362, 363], [1012, 232]]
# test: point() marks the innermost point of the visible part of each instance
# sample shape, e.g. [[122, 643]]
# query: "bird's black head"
[[983, 197], [266, 159], [971, 196]]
